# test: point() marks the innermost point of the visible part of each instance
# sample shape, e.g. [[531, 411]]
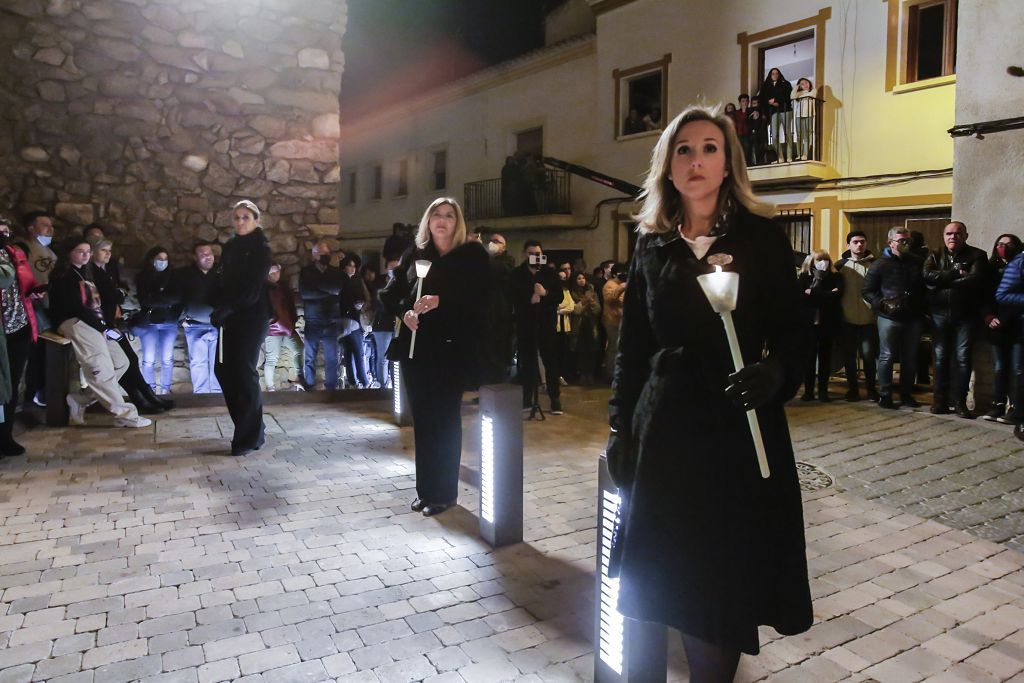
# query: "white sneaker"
[[77, 415], [135, 422]]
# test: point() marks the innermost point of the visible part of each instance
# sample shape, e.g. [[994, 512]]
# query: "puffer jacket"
[[892, 277]]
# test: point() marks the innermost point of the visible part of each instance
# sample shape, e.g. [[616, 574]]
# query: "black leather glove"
[[218, 316], [755, 385], [621, 462]]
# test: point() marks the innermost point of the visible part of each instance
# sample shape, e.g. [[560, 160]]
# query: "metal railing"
[[488, 199]]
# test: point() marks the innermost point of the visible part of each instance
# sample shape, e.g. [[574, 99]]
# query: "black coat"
[[894, 278], [781, 91], [707, 545], [156, 297], [460, 279], [822, 305], [240, 291], [951, 293], [535, 320]]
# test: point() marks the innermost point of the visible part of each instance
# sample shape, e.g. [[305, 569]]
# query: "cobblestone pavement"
[[149, 555]]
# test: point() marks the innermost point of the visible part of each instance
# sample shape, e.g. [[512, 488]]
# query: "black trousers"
[[132, 380], [19, 345], [239, 380], [530, 346], [435, 382], [35, 375]]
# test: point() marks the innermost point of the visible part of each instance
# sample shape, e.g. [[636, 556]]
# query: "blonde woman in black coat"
[[449, 321], [706, 545]]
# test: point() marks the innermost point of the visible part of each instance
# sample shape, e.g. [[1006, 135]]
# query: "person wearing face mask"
[[536, 294], [241, 311], [156, 324], [352, 299], [191, 287], [894, 287], [77, 309], [319, 286], [821, 289], [39, 226], [20, 331], [382, 329], [1002, 324]]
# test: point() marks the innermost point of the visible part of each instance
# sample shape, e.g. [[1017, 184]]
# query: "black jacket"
[[319, 292], [891, 280], [240, 290], [460, 279], [353, 292], [957, 283], [695, 478], [781, 91], [533, 320], [66, 298], [110, 296], [192, 286], [157, 300]]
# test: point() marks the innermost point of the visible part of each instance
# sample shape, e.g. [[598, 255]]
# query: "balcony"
[[546, 203], [805, 163]]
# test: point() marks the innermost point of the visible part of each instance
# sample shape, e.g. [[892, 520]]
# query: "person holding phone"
[[536, 293]]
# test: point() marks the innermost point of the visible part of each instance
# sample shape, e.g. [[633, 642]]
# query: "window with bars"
[[797, 224]]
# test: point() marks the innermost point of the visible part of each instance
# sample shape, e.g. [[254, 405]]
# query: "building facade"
[[880, 154]]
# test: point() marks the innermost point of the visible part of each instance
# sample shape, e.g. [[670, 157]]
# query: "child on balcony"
[[803, 111]]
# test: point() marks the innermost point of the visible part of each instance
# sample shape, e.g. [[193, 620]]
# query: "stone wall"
[[153, 116]]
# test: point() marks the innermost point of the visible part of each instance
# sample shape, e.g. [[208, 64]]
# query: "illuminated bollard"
[[625, 649], [501, 464], [400, 396]]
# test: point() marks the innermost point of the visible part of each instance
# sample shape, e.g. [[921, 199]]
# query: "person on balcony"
[[700, 523], [758, 122], [776, 93], [741, 120], [448, 320], [803, 99]]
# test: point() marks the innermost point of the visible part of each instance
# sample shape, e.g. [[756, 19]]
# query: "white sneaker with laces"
[[135, 422], [76, 416]]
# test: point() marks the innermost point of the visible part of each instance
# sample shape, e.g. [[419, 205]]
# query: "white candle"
[[422, 268], [722, 289]]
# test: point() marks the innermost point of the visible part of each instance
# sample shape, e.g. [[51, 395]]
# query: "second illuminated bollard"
[[501, 464], [625, 649], [400, 396]]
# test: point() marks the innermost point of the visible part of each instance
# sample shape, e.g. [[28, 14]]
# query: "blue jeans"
[[272, 354], [327, 336], [1008, 364], [863, 338], [953, 341], [782, 127], [898, 338], [157, 341], [352, 345], [382, 340], [202, 354]]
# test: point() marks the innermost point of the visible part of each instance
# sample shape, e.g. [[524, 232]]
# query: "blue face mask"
[[44, 239], [160, 265]]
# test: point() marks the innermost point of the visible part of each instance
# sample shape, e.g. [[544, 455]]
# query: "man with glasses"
[[955, 275], [894, 286]]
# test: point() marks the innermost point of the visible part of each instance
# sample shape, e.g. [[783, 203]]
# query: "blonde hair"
[[819, 255], [423, 233], [662, 208]]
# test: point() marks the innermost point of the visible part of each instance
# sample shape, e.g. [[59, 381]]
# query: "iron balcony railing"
[[799, 132], [486, 199]]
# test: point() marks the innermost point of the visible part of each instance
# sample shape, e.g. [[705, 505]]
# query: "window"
[[352, 187], [403, 178], [440, 176], [930, 35], [377, 182], [530, 142], [640, 98], [794, 58], [797, 225]]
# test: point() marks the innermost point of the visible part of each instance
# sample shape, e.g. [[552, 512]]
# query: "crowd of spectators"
[[879, 308]]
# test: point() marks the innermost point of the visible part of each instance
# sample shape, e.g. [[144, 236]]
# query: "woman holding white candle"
[[447, 315], [707, 545]]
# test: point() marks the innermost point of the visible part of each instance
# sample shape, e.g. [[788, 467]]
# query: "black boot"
[[150, 396], [143, 404]]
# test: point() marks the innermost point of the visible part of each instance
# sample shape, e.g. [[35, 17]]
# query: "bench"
[[59, 363]]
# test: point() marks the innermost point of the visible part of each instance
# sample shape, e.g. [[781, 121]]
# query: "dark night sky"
[[398, 48]]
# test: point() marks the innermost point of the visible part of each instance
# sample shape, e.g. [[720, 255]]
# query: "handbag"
[[895, 305]]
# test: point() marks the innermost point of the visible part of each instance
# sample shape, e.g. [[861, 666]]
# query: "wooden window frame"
[[911, 38], [898, 51], [432, 169], [621, 75], [754, 41], [377, 184]]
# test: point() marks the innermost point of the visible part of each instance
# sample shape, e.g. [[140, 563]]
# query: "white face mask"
[[160, 265], [44, 239], [493, 249], [821, 265]]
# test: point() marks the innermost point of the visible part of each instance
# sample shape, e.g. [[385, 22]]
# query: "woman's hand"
[[995, 324], [427, 302], [755, 384], [411, 320]]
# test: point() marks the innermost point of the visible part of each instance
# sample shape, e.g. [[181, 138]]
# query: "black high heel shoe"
[[432, 509], [417, 505]]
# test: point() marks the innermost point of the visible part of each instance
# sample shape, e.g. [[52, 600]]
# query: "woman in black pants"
[[242, 313], [448, 319]]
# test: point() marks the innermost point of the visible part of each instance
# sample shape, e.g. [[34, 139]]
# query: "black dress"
[[242, 311], [706, 545], [446, 359]]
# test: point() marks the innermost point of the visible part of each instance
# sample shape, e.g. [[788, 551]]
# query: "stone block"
[[118, 50], [219, 179], [314, 58], [269, 126], [51, 91], [50, 55], [319, 150], [81, 214], [34, 154]]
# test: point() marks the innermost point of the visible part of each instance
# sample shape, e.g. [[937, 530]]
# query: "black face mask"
[[325, 259], [4, 239]]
